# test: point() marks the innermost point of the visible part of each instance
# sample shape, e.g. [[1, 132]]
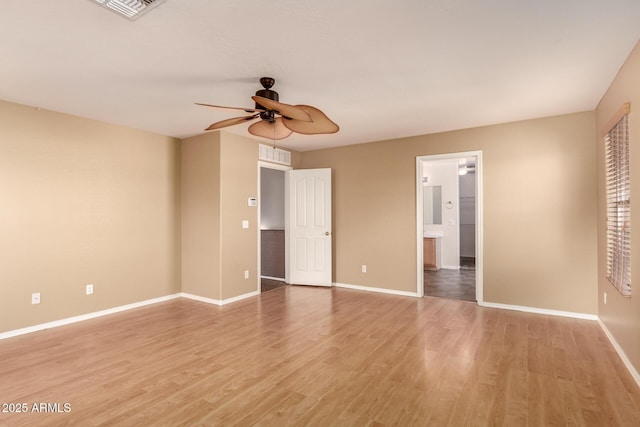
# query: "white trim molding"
[[632, 370], [201, 299], [479, 218], [240, 297], [373, 289], [217, 301], [535, 310], [82, 317], [277, 279], [267, 165]]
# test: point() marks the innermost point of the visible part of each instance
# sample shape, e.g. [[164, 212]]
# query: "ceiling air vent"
[[273, 154], [130, 9]]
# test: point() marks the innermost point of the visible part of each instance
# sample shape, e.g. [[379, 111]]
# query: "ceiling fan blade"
[[247, 109], [283, 109], [231, 122], [320, 122], [269, 130]]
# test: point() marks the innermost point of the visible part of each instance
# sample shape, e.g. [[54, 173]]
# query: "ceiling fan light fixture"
[[277, 120], [130, 9]]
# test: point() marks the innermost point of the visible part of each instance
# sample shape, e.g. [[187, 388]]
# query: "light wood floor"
[[320, 356]]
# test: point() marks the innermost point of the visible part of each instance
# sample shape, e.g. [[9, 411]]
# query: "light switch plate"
[[245, 223]]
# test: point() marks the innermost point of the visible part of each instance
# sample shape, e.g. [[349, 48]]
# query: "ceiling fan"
[[277, 120]]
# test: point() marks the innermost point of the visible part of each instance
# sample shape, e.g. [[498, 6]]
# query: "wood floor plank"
[[298, 356]]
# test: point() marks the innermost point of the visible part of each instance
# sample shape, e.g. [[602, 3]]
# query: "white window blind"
[[618, 207]]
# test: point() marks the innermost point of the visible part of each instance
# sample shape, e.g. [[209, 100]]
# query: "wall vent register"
[[130, 9], [275, 155]]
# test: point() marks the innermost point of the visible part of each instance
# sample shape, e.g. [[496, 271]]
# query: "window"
[[618, 206]]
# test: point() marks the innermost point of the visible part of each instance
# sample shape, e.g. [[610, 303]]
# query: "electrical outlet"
[[364, 268], [245, 223], [89, 289], [605, 297], [35, 298], [246, 274]]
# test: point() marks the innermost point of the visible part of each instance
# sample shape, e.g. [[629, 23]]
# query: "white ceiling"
[[381, 69]]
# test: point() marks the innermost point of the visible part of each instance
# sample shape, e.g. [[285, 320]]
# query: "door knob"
[[327, 233]]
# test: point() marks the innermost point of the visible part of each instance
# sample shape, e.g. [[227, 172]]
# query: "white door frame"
[[268, 165], [479, 220]]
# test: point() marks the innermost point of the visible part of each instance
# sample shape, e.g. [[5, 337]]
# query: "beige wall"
[[220, 173], [201, 216], [83, 202], [239, 181], [539, 210], [621, 315]]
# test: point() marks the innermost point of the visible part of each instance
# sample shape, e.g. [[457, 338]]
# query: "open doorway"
[[449, 224], [272, 226]]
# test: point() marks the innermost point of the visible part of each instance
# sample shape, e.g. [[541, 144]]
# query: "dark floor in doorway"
[[452, 284], [269, 284]]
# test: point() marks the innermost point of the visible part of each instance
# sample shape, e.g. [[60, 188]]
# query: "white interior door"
[[308, 226]]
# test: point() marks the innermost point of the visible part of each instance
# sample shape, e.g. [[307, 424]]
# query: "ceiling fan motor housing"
[[267, 93], [267, 83]]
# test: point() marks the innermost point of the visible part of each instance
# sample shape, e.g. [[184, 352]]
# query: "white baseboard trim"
[[217, 301], [539, 310], [279, 279], [632, 370], [240, 297], [372, 289], [201, 299], [75, 319]]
